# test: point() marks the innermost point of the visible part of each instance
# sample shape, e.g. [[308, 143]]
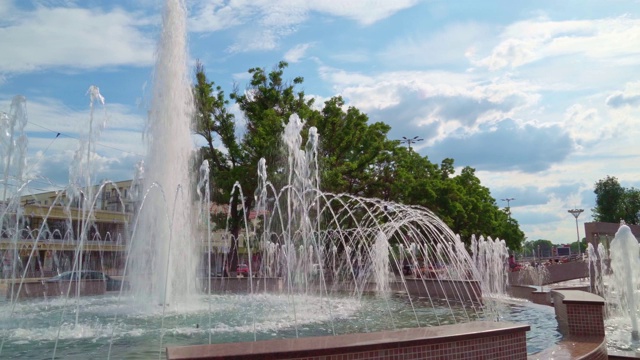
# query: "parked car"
[[112, 284], [242, 270]]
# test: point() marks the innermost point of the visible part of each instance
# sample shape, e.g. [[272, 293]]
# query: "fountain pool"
[[616, 274], [111, 326]]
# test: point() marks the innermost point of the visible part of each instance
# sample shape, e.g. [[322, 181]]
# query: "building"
[[41, 237], [603, 233]]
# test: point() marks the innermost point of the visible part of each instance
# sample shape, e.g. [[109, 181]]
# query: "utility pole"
[[576, 213], [508, 200], [410, 141]]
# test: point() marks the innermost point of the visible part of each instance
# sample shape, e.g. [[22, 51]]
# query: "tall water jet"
[[164, 248], [380, 260], [490, 258], [598, 266], [13, 145], [625, 264], [13, 149]]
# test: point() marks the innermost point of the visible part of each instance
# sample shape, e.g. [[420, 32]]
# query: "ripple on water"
[[136, 330]]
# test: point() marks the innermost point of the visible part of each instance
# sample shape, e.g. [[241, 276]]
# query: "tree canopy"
[[615, 202], [538, 248], [355, 155]]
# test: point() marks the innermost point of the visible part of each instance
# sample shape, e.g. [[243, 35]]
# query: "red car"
[[242, 270]]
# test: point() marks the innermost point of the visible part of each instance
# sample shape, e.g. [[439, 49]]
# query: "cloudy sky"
[[541, 98]]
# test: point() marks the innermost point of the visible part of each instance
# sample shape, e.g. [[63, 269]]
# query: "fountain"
[[620, 289], [338, 257], [625, 264], [490, 257], [163, 240], [534, 274], [614, 275]]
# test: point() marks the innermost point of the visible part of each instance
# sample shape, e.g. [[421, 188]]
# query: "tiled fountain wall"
[[579, 314], [476, 340]]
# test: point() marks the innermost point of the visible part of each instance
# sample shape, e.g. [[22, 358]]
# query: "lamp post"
[[576, 213], [508, 200], [410, 141]]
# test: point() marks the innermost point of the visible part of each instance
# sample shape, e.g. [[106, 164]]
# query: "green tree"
[[481, 215], [226, 160], [267, 104], [631, 206], [538, 248], [415, 179], [615, 203], [356, 157], [349, 149], [468, 208], [213, 121], [609, 197], [582, 249]]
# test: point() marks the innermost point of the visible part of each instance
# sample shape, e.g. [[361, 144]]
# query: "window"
[[93, 275]]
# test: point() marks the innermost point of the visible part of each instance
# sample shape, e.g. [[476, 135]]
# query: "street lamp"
[[576, 213], [410, 141], [508, 200]]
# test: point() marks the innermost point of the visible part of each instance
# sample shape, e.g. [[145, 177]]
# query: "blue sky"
[[541, 98]]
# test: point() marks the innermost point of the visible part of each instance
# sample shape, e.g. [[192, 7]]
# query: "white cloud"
[[613, 40], [365, 12], [453, 101], [296, 53], [351, 56], [445, 47], [629, 97], [74, 37], [118, 146], [262, 23], [258, 39], [216, 15], [6, 10], [587, 126]]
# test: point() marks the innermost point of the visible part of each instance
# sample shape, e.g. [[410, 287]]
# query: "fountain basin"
[[125, 327], [458, 290], [471, 340], [35, 288]]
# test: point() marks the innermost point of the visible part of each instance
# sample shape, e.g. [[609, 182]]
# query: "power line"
[[58, 134], [34, 188], [45, 151]]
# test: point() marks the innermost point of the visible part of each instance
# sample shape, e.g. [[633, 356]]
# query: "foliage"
[[615, 203], [356, 156], [582, 249], [349, 147], [540, 247]]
